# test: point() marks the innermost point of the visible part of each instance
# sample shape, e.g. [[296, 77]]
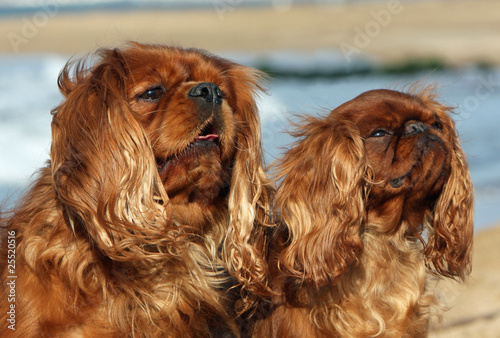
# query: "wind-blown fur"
[[375, 198], [153, 189]]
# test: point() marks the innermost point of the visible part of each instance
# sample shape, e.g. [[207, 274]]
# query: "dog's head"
[[153, 138], [387, 160]]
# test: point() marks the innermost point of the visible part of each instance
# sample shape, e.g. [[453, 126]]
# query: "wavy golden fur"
[[155, 186], [375, 198]]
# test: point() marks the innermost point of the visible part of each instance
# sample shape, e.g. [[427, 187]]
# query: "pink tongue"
[[209, 137]]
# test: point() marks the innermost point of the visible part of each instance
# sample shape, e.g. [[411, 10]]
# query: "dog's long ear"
[[322, 200], [250, 192], [103, 168], [450, 244]]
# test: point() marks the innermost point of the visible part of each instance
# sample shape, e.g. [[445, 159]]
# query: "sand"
[[456, 31], [475, 307], [459, 32]]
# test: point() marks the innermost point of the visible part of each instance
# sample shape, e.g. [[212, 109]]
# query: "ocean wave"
[[28, 92]]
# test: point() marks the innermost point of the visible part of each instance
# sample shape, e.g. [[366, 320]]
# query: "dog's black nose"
[[413, 128], [207, 91]]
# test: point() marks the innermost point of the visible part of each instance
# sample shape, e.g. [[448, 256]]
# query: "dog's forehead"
[[388, 108], [176, 63], [169, 67], [397, 112]]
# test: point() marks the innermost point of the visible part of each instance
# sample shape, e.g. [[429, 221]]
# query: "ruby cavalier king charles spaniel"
[[375, 199], [155, 189]]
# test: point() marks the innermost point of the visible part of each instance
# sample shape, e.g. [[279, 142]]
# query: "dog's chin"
[[407, 196], [422, 179], [426, 168], [188, 158], [195, 175]]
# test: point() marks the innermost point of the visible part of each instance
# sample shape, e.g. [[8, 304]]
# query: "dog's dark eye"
[[379, 133], [152, 94], [438, 126]]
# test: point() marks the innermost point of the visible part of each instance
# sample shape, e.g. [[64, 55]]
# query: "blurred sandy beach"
[[475, 307], [458, 32]]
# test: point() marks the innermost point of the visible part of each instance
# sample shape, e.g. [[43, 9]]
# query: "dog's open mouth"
[[209, 133], [207, 141]]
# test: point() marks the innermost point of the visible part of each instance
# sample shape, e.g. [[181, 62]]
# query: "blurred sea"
[[28, 91]]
